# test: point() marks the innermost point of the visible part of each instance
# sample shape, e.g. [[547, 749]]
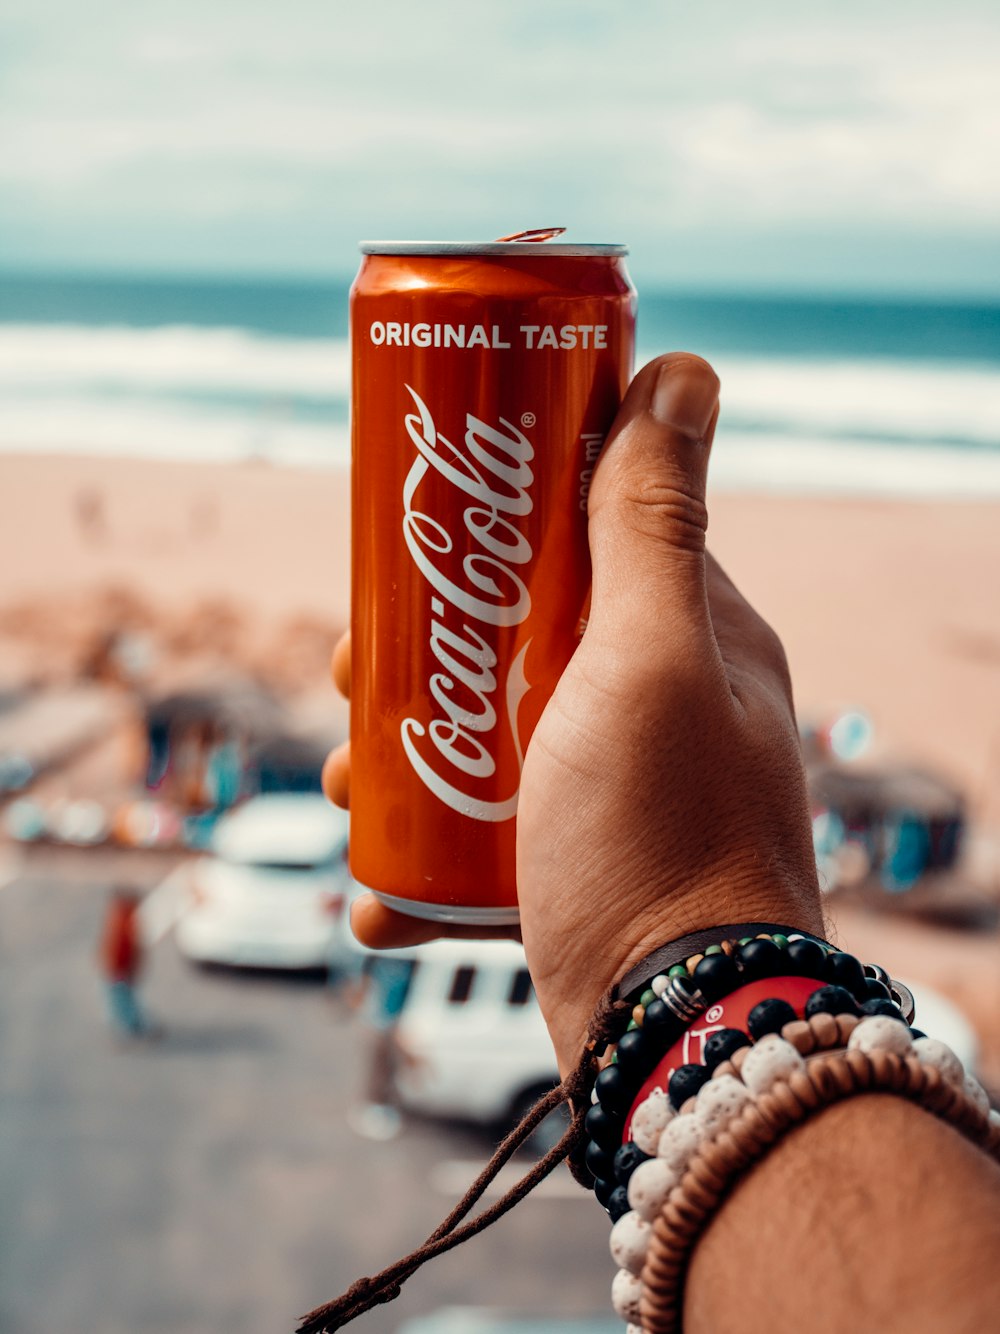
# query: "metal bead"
[[873, 971], [875, 990], [903, 997], [686, 1004]]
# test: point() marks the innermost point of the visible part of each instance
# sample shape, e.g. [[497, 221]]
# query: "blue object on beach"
[[907, 850]]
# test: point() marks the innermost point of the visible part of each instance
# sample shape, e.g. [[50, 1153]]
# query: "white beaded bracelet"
[[764, 1087]]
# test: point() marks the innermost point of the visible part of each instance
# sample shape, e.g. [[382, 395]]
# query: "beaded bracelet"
[[749, 1100], [689, 987], [666, 1008]]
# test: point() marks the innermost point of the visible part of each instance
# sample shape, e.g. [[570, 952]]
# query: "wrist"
[[569, 996]]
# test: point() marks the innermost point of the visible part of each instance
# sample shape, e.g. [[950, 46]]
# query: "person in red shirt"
[[121, 960]]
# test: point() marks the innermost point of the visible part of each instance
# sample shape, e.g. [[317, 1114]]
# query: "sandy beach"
[[887, 606]]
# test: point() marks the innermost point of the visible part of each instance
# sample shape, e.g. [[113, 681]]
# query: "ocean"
[[818, 394]]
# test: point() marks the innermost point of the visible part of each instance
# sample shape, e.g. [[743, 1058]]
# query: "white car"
[[471, 1038], [272, 891]]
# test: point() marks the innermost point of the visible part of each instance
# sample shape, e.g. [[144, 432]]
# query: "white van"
[[472, 1042]]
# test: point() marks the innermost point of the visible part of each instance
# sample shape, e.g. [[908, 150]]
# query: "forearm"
[[873, 1214]]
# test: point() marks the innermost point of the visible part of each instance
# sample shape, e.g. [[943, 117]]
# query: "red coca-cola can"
[[485, 377]]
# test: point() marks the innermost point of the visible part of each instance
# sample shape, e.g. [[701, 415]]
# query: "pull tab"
[[535, 234]]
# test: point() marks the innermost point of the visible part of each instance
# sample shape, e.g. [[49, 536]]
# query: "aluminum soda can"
[[484, 380]]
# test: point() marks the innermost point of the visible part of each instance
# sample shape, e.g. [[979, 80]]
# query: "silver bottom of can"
[[441, 912]]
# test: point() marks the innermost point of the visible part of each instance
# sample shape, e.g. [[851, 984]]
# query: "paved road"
[[209, 1183]]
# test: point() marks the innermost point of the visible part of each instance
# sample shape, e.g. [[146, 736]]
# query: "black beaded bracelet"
[[672, 1001], [689, 987]]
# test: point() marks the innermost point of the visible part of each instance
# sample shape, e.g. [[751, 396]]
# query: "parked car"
[[271, 892], [471, 1038]]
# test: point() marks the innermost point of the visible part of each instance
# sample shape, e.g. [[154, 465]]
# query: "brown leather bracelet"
[[676, 951]]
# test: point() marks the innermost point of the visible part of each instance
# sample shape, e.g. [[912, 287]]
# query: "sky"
[[782, 146]]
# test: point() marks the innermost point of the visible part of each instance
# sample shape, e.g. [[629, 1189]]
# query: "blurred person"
[[386, 984], [121, 957], [223, 771], [663, 794], [90, 515]]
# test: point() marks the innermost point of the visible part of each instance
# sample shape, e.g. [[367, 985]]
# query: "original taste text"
[[531, 336]]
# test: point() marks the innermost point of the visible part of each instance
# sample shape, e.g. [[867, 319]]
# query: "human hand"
[[663, 788]]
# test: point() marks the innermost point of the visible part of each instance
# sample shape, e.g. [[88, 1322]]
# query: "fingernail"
[[685, 397]]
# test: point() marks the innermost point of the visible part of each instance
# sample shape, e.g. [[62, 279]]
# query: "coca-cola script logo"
[[492, 469]]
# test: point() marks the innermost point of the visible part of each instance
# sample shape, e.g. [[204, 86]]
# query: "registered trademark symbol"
[[528, 419]]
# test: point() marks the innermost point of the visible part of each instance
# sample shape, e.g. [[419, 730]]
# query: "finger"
[[337, 776], [647, 501], [340, 664], [382, 928]]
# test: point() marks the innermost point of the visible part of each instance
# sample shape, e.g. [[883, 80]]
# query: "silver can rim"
[[461, 914], [505, 248]]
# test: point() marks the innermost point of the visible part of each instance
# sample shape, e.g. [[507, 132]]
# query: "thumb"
[[648, 516]]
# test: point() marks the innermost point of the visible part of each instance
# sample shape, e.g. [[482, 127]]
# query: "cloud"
[[216, 119]]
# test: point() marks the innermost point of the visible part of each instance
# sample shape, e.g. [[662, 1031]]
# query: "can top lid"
[[488, 248]]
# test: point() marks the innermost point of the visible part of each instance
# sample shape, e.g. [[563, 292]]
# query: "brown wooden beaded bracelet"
[[829, 1076]]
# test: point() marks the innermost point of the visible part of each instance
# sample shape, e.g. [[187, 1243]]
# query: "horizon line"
[[166, 277]]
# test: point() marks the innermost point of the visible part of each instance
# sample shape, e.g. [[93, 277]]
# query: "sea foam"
[[878, 426]]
